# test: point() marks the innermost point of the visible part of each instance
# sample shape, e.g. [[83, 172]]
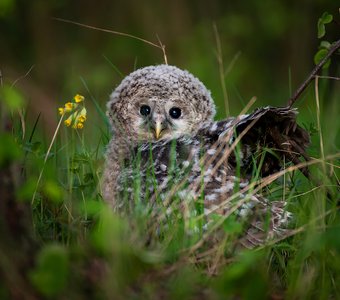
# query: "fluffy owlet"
[[165, 139]]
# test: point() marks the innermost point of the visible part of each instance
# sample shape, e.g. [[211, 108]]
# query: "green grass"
[[86, 250]]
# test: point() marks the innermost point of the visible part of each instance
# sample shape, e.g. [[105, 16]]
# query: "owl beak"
[[158, 129], [158, 125]]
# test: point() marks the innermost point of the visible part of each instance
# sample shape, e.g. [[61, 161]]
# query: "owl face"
[[159, 103]]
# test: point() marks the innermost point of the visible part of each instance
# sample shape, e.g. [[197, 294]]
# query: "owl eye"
[[145, 110], [175, 112]]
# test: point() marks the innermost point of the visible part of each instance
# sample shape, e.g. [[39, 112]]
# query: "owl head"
[[158, 103]]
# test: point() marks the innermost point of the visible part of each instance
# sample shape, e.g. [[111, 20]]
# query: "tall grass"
[[87, 250]]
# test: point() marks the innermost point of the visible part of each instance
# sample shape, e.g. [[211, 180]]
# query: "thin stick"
[[163, 50], [162, 47], [23, 76], [329, 77], [312, 75]]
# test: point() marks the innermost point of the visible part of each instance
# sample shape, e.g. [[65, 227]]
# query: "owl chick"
[[162, 121], [152, 104]]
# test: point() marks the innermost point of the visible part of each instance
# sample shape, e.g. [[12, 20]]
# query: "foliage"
[[324, 47], [324, 19], [85, 250], [51, 273], [89, 249]]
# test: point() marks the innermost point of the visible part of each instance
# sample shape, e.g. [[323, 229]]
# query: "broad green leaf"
[[50, 276], [11, 97], [320, 55], [325, 19]]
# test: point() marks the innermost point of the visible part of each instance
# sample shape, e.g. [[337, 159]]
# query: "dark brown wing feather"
[[275, 128]]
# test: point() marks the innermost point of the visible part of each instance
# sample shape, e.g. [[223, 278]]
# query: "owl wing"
[[233, 149], [206, 167], [270, 135], [276, 129]]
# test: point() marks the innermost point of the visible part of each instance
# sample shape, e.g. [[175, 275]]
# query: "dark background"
[[269, 44]]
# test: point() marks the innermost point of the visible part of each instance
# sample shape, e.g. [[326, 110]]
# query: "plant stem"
[[46, 156]]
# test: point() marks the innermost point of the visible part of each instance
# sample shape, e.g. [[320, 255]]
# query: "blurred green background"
[[267, 47]]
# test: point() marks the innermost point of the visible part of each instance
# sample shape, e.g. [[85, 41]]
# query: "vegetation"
[[58, 239]]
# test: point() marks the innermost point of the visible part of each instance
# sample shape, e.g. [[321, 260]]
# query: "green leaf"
[[51, 273], [9, 149], [11, 97], [325, 45], [321, 29], [325, 19], [320, 55], [53, 191], [108, 232]]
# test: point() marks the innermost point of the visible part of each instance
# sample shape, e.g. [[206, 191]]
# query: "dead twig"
[[159, 46]]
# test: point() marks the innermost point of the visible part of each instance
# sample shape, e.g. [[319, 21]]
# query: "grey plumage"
[[160, 87], [195, 158]]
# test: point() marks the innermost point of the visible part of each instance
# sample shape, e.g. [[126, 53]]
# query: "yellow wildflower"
[[82, 119], [68, 122], [82, 115], [70, 106], [76, 111], [79, 98]]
